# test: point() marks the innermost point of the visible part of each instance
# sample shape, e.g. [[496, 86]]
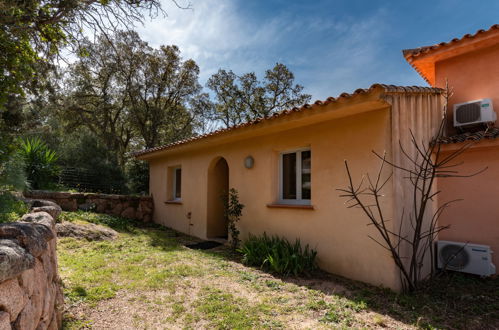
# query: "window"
[[295, 177], [177, 183]]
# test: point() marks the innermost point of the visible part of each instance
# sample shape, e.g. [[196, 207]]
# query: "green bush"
[[40, 163], [11, 209], [278, 255]]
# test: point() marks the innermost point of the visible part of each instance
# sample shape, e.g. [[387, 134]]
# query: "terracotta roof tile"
[[491, 133], [411, 53], [306, 107]]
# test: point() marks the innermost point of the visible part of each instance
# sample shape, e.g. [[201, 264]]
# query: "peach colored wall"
[[475, 219], [472, 76], [339, 234]]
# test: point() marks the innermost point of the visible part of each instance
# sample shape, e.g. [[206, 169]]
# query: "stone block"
[[12, 298], [41, 218], [27, 281], [5, 321], [117, 209], [128, 213], [54, 211], [68, 204], [14, 259], [31, 236]]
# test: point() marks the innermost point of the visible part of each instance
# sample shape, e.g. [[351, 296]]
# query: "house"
[[298, 163], [471, 67], [286, 168]]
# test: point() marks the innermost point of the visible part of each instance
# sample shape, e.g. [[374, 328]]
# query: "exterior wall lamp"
[[249, 162]]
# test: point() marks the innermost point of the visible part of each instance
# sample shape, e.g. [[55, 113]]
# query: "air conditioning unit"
[[474, 112], [465, 257]]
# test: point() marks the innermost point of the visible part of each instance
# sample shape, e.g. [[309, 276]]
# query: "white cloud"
[[328, 55], [212, 33]]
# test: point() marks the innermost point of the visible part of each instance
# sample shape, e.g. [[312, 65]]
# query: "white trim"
[[298, 200], [174, 181]]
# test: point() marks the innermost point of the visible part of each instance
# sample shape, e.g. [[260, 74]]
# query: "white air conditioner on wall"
[[474, 112], [465, 257]]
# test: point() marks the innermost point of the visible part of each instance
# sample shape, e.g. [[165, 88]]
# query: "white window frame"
[[298, 200], [174, 181]]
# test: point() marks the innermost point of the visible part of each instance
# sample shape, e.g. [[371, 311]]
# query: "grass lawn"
[[147, 279]]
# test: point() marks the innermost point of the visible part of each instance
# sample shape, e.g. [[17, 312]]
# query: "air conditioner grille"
[[454, 256], [468, 113]]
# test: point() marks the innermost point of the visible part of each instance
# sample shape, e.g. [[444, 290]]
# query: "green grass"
[[150, 269]]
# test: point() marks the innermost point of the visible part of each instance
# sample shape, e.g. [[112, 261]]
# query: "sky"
[[331, 46]]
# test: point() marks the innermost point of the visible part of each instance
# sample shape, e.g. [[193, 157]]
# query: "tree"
[[130, 94], [411, 244], [95, 97], [33, 31], [162, 90], [244, 98]]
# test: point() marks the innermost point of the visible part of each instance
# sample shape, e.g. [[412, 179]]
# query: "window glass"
[[305, 174], [289, 176], [178, 183]]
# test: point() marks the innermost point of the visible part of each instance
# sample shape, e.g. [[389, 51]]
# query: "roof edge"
[[387, 89], [424, 50]]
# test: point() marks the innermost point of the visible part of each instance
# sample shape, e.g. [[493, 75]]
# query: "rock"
[[5, 321], [91, 232], [86, 207], [13, 259], [31, 236], [53, 324], [12, 298], [31, 314], [42, 202], [117, 209], [48, 304], [42, 218], [27, 281], [59, 308], [54, 211], [68, 204], [132, 207], [128, 213]]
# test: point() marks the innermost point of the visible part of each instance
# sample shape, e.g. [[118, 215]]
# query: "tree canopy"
[[128, 93], [244, 98], [33, 31]]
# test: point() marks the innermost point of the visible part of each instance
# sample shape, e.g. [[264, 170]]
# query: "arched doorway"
[[218, 186]]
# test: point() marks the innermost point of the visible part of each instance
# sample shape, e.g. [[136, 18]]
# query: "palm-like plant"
[[40, 162]]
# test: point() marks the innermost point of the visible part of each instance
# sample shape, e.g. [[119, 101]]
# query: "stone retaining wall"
[[131, 207], [30, 288]]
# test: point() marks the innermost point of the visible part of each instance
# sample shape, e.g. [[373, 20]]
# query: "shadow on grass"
[[158, 236], [453, 300]]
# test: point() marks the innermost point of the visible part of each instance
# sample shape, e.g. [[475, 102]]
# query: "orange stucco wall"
[[473, 75], [339, 234], [475, 219]]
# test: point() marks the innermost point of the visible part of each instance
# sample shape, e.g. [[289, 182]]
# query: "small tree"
[[410, 251], [233, 210], [40, 163]]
